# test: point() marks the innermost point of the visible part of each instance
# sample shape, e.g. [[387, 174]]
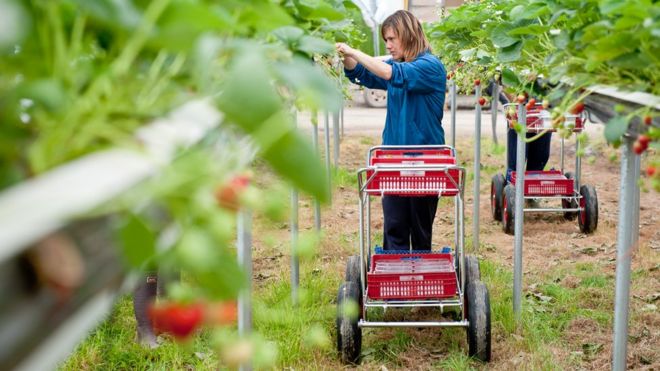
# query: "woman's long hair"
[[409, 30]]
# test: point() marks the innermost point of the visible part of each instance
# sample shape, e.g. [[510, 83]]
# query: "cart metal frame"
[[365, 239]]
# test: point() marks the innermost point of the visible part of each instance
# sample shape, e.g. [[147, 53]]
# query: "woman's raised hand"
[[344, 50]]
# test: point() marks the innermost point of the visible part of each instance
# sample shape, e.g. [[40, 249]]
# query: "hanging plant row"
[[83, 75], [557, 50]]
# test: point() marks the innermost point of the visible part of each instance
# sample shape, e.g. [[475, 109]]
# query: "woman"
[[415, 81]]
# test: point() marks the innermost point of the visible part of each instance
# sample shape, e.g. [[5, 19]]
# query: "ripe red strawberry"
[[228, 194], [638, 148], [482, 101], [178, 319], [521, 98], [650, 170], [530, 104], [222, 313], [644, 140], [648, 120], [477, 82], [577, 108]]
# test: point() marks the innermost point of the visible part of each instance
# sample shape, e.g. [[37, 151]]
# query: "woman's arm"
[[353, 56]]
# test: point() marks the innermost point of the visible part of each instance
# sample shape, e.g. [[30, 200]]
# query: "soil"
[[549, 241]]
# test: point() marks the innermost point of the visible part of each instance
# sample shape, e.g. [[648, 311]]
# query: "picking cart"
[[576, 199], [443, 279]]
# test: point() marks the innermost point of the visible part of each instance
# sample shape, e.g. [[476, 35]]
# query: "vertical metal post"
[[493, 110], [477, 171], [326, 136], [578, 165], [635, 218], [376, 37], [335, 137], [244, 247], [623, 257], [342, 120], [452, 94], [519, 215], [315, 144], [561, 155], [295, 275], [361, 233]]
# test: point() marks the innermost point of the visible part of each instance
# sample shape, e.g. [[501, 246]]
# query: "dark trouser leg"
[[396, 228], [144, 294], [422, 213], [538, 152]]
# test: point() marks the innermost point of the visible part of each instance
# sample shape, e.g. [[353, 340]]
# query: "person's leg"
[[422, 210], [144, 294], [396, 227], [538, 152], [511, 145]]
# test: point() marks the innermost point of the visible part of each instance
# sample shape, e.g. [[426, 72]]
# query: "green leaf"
[[289, 34], [313, 88], [293, 156], [561, 41], [248, 97], [510, 53], [112, 13], [138, 241], [532, 11], [615, 128], [611, 47], [533, 29], [317, 9], [500, 36], [509, 78], [183, 22], [313, 45]]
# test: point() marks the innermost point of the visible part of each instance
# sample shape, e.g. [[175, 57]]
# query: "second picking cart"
[[576, 199]]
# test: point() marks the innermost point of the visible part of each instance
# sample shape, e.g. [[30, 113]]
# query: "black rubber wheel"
[[496, 189], [569, 202], [472, 271], [478, 331], [588, 214], [508, 209], [349, 335], [375, 98], [353, 270]]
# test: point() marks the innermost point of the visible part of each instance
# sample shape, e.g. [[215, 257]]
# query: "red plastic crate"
[[546, 183], [413, 182], [411, 276], [435, 152]]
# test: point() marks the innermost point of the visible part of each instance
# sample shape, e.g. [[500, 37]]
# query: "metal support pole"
[[244, 246], [519, 215], [635, 218], [578, 166], [477, 171], [623, 257], [335, 137], [452, 95], [376, 36], [342, 120], [561, 155], [295, 265], [328, 166], [315, 144], [493, 110]]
